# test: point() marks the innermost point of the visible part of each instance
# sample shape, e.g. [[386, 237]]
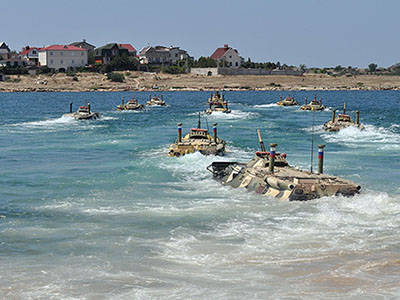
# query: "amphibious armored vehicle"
[[156, 101], [83, 113], [198, 139], [288, 101], [132, 104], [217, 103], [269, 173], [313, 105], [343, 121]]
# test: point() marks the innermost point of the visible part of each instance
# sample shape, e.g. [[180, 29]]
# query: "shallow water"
[[96, 210]]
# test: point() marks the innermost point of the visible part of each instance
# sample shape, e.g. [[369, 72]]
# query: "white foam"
[[266, 105], [379, 137], [47, 123], [234, 114]]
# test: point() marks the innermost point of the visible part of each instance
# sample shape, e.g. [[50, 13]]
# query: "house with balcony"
[[30, 55], [63, 57], [229, 56]]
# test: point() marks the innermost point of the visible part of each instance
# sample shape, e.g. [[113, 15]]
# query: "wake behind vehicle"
[[83, 113], [269, 174], [343, 121], [217, 103], [288, 101], [198, 139]]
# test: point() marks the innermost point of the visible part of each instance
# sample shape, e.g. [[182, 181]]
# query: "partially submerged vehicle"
[[269, 173], [288, 101], [83, 113], [132, 104], [313, 105], [156, 101], [217, 103], [343, 121], [198, 139]]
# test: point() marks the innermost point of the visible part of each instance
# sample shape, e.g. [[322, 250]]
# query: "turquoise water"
[[96, 210]]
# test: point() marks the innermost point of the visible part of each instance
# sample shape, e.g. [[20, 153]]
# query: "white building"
[[63, 57], [229, 55], [30, 54], [162, 55]]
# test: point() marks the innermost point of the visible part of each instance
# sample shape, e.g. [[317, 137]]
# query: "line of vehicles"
[[268, 173]]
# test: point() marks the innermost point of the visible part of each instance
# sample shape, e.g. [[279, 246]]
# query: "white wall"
[[57, 59], [232, 58]]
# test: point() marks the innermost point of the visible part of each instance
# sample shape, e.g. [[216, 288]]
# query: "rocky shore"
[[89, 82]]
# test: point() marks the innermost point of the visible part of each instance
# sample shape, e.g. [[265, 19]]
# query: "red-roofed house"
[[129, 47], [229, 55], [30, 54], [63, 57]]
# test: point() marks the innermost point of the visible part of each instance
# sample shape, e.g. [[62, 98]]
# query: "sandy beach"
[[150, 81]]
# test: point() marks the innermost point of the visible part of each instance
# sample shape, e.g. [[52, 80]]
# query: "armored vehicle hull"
[[156, 101], [313, 105], [268, 173], [288, 101], [83, 113], [197, 140], [130, 105], [217, 103], [343, 121]]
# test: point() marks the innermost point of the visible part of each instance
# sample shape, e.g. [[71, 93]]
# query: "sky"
[[317, 33]]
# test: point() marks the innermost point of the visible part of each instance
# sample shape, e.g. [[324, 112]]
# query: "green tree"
[[372, 67], [338, 68]]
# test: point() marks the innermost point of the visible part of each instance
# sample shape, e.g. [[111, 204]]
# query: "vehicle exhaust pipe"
[[321, 158], [272, 157], [179, 132], [215, 132]]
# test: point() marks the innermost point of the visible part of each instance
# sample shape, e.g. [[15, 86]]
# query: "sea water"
[[97, 210]]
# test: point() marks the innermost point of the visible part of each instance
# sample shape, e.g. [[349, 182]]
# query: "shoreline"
[[140, 81]]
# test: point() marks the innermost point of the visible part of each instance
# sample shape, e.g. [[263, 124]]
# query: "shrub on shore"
[[116, 77]]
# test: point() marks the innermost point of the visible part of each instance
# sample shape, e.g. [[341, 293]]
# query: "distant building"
[[63, 57], [84, 45], [229, 55], [30, 54], [4, 50], [104, 54], [129, 47], [162, 55]]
